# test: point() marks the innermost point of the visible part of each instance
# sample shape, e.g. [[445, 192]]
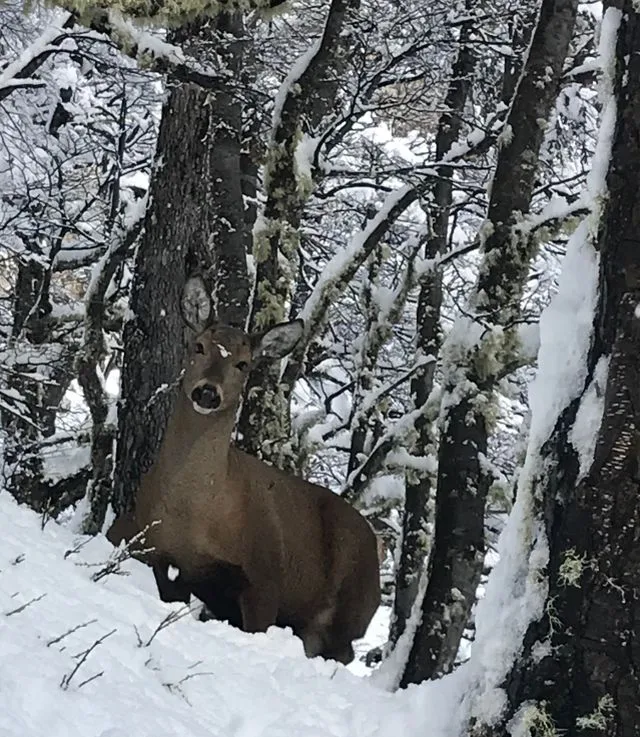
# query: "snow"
[[145, 41], [304, 155], [42, 45], [185, 678], [390, 672], [516, 589], [298, 68], [334, 270], [565, 331], [584, 431]]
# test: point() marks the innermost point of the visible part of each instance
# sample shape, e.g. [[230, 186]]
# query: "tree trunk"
[[307, 99], [195, 221], [36, 351], [477, 351], [418, 511], [587, 681]]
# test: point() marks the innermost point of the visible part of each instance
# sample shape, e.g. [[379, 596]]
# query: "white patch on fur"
[[224, 352], [173, 573]]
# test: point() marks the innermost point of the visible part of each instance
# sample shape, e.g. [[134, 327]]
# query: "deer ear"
[[278, 341], [195, 304]]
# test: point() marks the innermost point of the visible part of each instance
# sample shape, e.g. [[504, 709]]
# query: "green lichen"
[[537, 721], [572, 568], [272, 310], [599, 719], [555, 623], [165, 13]]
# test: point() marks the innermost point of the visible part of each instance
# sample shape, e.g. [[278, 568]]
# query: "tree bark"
[[418, 512], [38, 351], [458, 552], [195, 221], [588, 681], [264, 418]]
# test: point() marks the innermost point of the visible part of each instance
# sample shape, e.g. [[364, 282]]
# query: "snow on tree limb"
[[16, 74], [481, 344], [343, 266]]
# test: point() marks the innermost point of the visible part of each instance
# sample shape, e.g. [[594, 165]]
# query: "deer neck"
[[194, 436]]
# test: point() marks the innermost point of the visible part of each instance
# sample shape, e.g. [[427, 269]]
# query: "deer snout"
[[206, 398]]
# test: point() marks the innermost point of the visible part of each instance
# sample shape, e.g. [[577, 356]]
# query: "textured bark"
[[195, 221], [88, 365], [364, 432], [264, 416], [589, 682], [418, 513], [458, 552]]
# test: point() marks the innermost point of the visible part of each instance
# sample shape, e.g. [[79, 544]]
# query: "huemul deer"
[[258, 546]]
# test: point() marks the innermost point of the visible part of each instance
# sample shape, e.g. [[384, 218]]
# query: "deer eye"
[[242, 366], [199, 348]]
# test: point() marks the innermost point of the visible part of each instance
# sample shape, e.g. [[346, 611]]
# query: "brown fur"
[[257, 545]]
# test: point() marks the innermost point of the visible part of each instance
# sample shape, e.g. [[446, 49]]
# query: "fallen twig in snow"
[[70, 632], [82, 657], [177, 687], [170, 619], [24, 606], [77, 547], [91, 678]]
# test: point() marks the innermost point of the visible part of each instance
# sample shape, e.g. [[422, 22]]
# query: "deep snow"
[[192, 680]]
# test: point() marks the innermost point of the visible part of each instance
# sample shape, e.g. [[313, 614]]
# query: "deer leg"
[[342, 652], [220, 590], [259, 608], [170, 590]]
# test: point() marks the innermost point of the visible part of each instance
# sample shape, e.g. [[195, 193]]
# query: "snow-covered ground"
[[113, 677]]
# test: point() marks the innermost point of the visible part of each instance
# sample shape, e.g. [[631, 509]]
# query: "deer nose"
[[206, 396]]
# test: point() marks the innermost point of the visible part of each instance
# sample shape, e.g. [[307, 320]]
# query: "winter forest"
[[413, 224]]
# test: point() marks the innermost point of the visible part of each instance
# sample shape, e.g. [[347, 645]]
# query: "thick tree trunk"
[[458, 553], [587, 680], [195, 221]]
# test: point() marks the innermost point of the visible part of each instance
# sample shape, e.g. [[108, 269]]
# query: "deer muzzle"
[[206, 398]]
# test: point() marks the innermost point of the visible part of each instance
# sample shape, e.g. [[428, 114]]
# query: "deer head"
[[220, 357]]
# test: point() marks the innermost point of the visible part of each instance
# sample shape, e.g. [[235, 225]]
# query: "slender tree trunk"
[[264, 419], [478, 349], [36, 351], [195, 221], [579, 672], [418, 513]]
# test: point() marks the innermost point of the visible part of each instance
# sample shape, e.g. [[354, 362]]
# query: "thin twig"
[[24, 606], [66, 680], [70, 632], [91, 678]]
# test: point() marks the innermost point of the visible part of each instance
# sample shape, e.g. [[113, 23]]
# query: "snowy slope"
[[192, 680]]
